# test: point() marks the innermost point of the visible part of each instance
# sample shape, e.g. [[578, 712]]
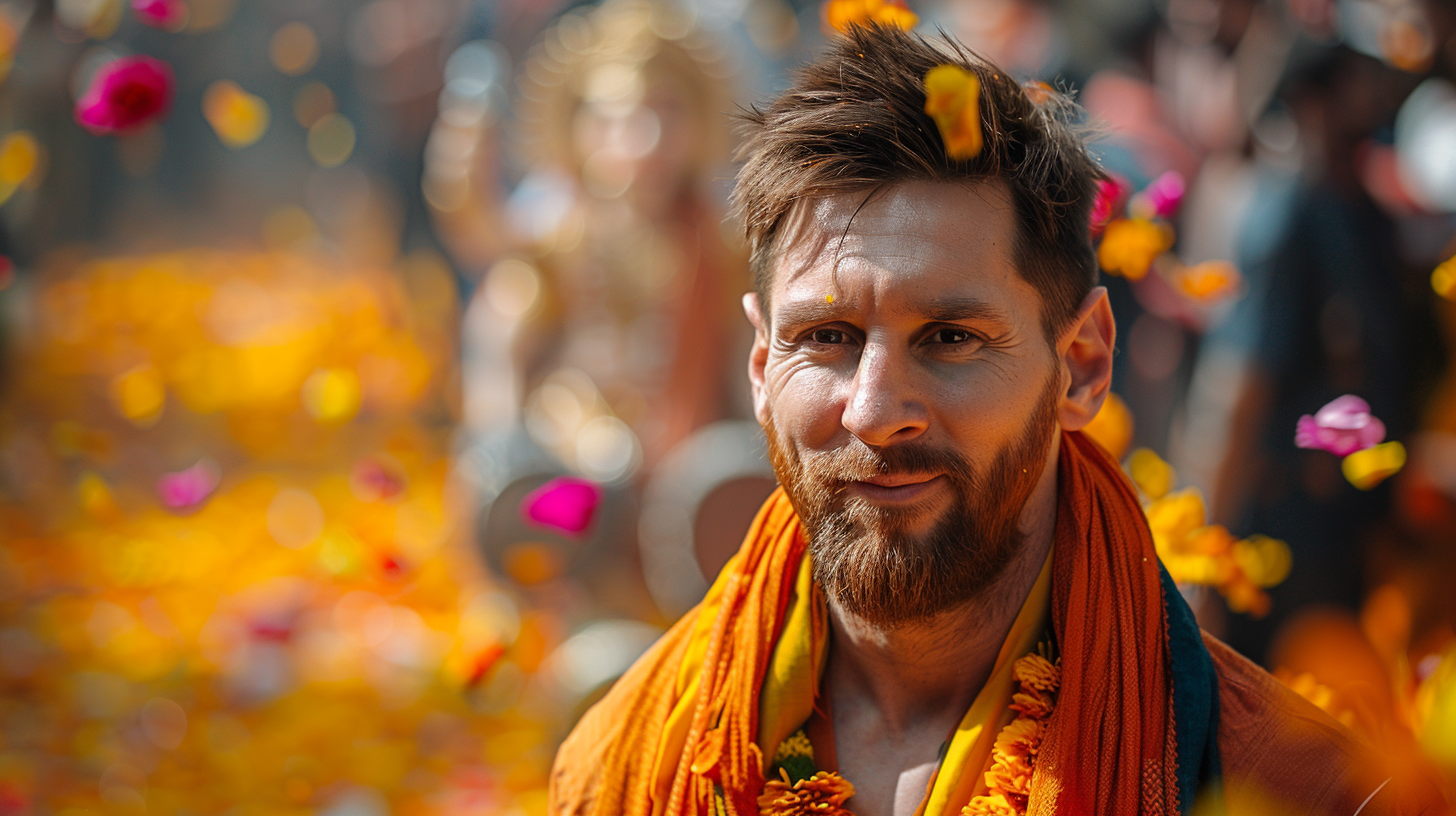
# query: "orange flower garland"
[[822, 794], [1008, 781]]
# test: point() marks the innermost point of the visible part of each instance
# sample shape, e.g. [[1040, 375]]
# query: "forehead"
[[905, 242]]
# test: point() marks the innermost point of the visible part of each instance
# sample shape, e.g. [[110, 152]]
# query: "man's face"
[[908, 391]]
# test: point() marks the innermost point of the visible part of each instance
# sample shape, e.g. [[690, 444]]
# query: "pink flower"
[[169, 15], [1109, 194], [566, 504], [1165, 194], [125, 94], [1342, 427], [188, 488]]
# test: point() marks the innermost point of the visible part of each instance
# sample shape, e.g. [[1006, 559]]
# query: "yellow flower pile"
[[310, 635]]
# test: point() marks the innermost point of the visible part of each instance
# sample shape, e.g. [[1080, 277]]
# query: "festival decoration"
[[566, 504], [1112, 426], [952, 99], [1208, 282], [1110, 194], [1161, 199], [822, 794], [1346, 428], [125, 94], [189, 488], [20, 163], [839, 15], [168, 15]]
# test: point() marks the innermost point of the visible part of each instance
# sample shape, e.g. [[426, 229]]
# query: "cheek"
[[804, 402]]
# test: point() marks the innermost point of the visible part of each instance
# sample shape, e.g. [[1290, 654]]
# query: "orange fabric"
[[1109, 747]]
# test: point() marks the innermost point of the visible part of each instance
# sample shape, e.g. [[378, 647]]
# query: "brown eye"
[[828, 337], [952, 336]]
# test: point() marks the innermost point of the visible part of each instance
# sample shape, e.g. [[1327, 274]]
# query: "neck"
[[927, 672]]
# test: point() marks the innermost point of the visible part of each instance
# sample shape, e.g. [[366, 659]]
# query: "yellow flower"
[[839, 15], [1130, 245], [1367, 468], [1443, 280], [1112, 427], [952, 98], [1176, 515], [992, 805], [240, 118], [1150, 473]]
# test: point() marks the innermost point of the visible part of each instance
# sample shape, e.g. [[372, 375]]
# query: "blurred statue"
[[605, 330]]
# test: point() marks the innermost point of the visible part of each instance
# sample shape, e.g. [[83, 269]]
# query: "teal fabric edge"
[[1195, 706]]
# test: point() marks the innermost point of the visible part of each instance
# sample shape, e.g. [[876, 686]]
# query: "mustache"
[[858, 461]]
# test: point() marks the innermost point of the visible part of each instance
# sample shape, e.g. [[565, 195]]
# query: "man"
[[954, 604]]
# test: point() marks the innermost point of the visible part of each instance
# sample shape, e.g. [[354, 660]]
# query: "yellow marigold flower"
[[1032, 704], [1008, 780], [1214, 540], [1130, 245], [822, 794], [1019, 738], [1367, 468], [240, 118], [797, 745], [1112, 427], [1150, 473], [1036, 672], [993, 805], [952, 98], [839, 15], [1176, 515], [1265, 560]]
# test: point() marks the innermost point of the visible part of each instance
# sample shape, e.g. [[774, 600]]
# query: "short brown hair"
[[855, 120]]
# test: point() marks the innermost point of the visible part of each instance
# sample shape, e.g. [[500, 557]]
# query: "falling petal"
[[1342, 427], [125, 94], [1130, 245], [189, 488], [565, 503], [952, 98], [168, 15], [839, 15], [1369, 467], [238, 117]]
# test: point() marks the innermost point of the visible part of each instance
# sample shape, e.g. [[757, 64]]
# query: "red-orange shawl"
[[1133, 730]]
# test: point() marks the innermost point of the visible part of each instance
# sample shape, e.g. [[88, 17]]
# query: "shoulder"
[[602, 756], [1282, 754]]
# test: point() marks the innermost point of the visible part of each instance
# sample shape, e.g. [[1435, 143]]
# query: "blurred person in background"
[[603, 336]]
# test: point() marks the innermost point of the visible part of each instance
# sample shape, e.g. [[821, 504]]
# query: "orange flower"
[[839, 15], [822, 794], [993, 805], [1130, 245], [952, 98], [1443, 280], [1367, 468], [1035, 672], [1209, 281]]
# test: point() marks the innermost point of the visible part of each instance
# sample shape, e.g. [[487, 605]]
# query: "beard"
[[867, 559]]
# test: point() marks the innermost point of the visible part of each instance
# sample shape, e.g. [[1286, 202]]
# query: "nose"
[[883, 406]]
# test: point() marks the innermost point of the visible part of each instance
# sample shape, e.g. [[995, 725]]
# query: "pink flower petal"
[[1342, 427], [1165, 194], [125, 94], [169, 15], [1109, 194], [189, 488], [566, 504]]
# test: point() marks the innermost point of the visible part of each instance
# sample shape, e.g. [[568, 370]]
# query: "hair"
[[854, 120]]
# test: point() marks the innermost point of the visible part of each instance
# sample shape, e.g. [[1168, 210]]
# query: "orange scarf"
[[693, 717]]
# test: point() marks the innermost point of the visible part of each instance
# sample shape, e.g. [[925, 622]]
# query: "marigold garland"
[[822, 794], [1008, 781]]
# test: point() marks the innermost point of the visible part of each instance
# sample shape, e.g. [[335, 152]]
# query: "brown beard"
[[864, 556]]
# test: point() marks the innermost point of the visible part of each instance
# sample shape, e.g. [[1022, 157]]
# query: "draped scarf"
[[696, 720]]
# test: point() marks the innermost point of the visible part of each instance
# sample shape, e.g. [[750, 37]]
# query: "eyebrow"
[[937, 309]]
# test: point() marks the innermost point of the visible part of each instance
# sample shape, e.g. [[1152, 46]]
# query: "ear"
[[757, 356], [1086, 347]]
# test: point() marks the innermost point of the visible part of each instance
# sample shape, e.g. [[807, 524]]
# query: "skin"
[[933, 336]]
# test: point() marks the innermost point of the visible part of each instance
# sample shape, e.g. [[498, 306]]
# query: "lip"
[[897, 488]]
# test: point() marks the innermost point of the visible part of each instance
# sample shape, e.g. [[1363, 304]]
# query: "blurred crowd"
[[373, 374]]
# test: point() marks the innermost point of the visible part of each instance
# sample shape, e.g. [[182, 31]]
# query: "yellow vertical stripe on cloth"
[[963, 770], [787, 697]]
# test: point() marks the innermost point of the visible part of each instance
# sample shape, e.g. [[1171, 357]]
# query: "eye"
[[828, 337], [951, 337]]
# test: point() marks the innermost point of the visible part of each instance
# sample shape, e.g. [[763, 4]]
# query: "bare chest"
[[890, 776]]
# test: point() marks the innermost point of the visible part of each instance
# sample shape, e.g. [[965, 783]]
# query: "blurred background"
[[372, 373]]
